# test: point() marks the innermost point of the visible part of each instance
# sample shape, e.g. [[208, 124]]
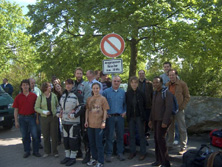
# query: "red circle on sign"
[[106, 39]]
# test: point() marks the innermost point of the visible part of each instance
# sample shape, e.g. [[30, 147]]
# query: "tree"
[[69, 33], [17, 54]]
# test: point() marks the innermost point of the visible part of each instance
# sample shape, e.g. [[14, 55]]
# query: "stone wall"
[[203, 114]]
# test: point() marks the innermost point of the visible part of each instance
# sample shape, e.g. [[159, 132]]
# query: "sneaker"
[[71, 162], [36, 154], [65, 160], [121, 157], [108, 158], [45, 155], [56, 155], [182, 151], [26, 155], [176, 142], [99, 165], [92, 162]]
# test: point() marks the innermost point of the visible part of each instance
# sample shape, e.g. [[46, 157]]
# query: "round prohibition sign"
[[112, 45]]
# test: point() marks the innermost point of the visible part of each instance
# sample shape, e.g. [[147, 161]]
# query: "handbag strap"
[[210, 161]]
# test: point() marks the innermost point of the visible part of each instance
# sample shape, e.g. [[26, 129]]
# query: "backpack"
[[216, 138], [213, 160], [175, 104], [196, 157]]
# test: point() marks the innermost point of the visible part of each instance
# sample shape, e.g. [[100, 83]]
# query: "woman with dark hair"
[[95, 121], [135, 115], [71, 123], [46, 105], [57, 89]]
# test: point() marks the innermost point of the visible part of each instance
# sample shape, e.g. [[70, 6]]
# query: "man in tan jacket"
[[180, 90]]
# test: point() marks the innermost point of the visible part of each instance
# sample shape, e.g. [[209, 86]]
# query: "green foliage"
[[17, 55], [187, 33]]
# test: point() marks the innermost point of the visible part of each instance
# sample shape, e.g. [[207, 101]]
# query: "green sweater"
[[41, 104]]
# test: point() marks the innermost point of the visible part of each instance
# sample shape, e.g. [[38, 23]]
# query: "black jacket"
[[140, 107]]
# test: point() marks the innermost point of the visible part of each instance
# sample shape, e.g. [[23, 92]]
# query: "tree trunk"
[[133, 61]]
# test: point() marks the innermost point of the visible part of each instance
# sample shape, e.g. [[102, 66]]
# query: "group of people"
[[93, 112]]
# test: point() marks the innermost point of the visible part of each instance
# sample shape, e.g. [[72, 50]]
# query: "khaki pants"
[[180, 119], [49, 127]]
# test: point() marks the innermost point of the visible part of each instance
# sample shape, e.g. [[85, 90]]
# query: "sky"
[[23, 3]]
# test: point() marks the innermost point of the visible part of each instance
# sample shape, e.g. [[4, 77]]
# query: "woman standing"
[[135, 115], [46, 105], [57, 89], [160, 119], [96, 112], [71, 123]]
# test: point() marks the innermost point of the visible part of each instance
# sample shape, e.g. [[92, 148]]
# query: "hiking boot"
[[65, 160], [71, 162]]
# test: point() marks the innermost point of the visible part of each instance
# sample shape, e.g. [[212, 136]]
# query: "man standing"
[[34, 88], [37, 91], [115, 121], [91, 78], [146, 87], [160, 119], [7, 86], [164, 76], [181, 92], [83, 91], [24, 109]]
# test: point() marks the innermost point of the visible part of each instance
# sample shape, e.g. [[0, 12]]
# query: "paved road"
[[11, 152]]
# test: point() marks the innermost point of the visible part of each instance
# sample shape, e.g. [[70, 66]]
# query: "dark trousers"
[[49, 130], [28, 127], [71, 137], [147, 129], [137, 124], [160, 143], [96, 144]]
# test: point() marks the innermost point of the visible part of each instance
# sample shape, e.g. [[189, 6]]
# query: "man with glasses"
[[147, 87], [115, 121]]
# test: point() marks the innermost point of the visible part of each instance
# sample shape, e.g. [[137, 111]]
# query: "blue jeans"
[[139, 124], [96, 144], [114, 124], [39, 130], [28, 126]]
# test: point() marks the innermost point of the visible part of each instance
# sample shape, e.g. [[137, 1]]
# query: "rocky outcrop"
[[203, 114]]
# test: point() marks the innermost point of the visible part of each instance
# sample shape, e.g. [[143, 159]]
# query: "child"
[[95, 121]]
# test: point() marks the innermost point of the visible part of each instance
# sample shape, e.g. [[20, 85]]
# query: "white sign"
[[112, 66]]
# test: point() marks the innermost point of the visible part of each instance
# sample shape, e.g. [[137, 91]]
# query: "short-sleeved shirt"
[[96, 105], [25, 104]]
